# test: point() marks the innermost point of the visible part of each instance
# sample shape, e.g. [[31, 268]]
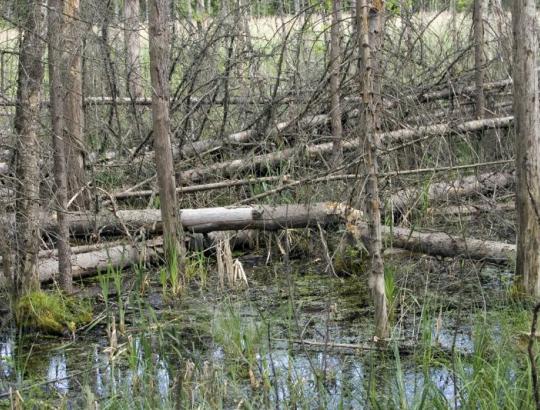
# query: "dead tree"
[[159, 73], [55, 61], [30, 78], [526, 110], [73, 108], [370, 28]]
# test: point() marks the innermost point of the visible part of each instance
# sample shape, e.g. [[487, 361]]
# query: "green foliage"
[[241, 340], [52, 312], [351, 259], [197, 268]]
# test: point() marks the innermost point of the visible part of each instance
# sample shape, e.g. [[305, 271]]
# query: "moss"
[[52, 312]]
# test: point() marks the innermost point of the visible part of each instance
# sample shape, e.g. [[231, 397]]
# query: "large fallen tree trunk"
[[228, 168], [261, 217], [431, 243], [274, 218], [442, 244]]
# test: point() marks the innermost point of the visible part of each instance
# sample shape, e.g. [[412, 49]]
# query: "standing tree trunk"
[[56, 59], [335, 64], [73, 109], [30, 80], [133, 48], [479, 59], [159, 70], [370, 28], [526, 111], [132, 28]]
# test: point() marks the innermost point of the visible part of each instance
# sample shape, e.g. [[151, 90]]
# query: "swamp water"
[[242, 348]]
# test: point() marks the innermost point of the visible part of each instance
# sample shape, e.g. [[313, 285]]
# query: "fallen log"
[[283, 217], [260, 217], [471, 209], [402, 201], [430, 243], [228, 168]]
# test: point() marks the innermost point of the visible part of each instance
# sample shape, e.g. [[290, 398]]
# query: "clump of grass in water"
[[52, 312], [241, 340], [494, 375]]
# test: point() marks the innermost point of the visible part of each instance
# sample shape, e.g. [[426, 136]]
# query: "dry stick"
[[532, 357]]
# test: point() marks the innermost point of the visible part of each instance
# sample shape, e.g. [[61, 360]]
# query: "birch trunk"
[[526, 110]]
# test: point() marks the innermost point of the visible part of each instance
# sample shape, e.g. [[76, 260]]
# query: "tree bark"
[[27, 127], [56, 71], [73, 108], [132, 29], [479, 59], [159, 72], [371, 24], [335, 94], [526, 110]]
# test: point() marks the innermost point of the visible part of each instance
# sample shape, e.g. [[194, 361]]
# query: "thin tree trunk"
[[159, 71], [56, 71], [335, 95], [370, 25], [132, 27], [73, 108], [479, 58], [27, 127], [526, 109]]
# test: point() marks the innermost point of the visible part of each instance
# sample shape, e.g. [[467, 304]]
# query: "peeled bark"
[[56, 67], [27, 127], [526, 109]]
